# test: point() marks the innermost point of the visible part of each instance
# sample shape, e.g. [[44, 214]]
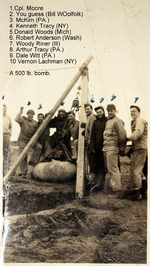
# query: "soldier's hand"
[[83, 125], [64, 133], [83, 133], [92, 151], [49, 112], [21, 109], [122, 153], [129, 153]]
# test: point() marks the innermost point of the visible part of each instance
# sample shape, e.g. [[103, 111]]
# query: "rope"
[[48, 154], [84, 70]]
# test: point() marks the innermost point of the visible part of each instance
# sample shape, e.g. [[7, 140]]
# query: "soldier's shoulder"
[[141, 119], [93, 116], [35, 123], [24, 117], [8, 117], [77, 122], [118, 119]]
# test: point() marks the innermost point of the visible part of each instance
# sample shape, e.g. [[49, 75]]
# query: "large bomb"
[[54, 171]]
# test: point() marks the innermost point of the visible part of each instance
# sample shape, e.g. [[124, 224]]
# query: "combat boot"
[[136, 195]]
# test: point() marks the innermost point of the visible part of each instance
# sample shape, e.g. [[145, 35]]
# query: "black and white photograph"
[[74, 132]]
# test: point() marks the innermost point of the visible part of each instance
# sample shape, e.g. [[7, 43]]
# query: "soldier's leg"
[[23, 164], [36, 154], [74, 148], [138, 159], [113, 170], [6, 153]]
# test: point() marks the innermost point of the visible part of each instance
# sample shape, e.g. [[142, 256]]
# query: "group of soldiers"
[[108, 139], [105, 140]]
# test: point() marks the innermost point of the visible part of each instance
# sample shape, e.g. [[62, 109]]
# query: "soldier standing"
[[7, 132], [27, 130], [113, 146], [139, 129]]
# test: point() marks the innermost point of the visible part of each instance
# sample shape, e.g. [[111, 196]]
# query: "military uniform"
[[27, 130]]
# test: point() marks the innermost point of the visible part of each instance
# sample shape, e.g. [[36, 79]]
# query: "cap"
[[135, 106], [88, 104], [99, 107], [41, 114], [111, 106], [30, 112], [71, 112], [62, 110]]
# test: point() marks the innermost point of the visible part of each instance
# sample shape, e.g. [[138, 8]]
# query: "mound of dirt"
[[44, 222]]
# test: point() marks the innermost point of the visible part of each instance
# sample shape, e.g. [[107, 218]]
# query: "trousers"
[[6, 153], [35, 156], [138, 159], [114, 175]]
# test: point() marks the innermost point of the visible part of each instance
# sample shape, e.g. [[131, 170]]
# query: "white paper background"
[[114, 32]]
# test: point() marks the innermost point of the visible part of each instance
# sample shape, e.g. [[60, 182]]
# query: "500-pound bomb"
[[54, 171]]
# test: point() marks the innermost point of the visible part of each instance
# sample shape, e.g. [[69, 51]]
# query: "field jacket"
[[139, 129], [90, 119], [44, 135], [7, 125], [74, 129], [27, 128], [114, 135], [96, 142]]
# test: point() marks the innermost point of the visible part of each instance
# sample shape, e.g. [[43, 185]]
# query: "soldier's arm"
[[121, 132], [10, 127], [92, 138], [53, 123], [139, 129], [18, 118]]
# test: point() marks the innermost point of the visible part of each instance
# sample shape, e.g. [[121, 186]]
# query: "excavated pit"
[[28, 196], [43, 222], [49, 229]]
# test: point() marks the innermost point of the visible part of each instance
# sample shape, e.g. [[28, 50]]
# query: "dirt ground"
[[44, 222]]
